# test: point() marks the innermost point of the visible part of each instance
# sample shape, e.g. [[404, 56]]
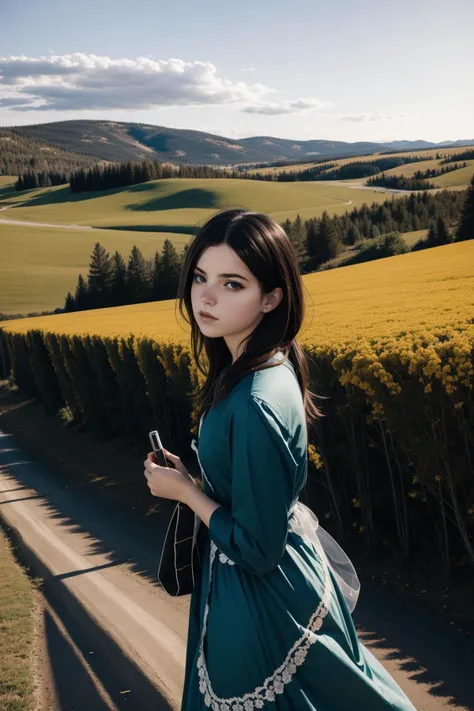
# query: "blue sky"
[[350, 71]]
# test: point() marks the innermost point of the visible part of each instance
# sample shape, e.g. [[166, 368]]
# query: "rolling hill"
[[459, 178], [179, 204], [44, 259], [121, 141]]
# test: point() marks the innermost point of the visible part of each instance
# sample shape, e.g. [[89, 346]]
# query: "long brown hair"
[[262, 244]]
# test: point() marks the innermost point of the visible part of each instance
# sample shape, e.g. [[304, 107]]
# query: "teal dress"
[[269, 627]]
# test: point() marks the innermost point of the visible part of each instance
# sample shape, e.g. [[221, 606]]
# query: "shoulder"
[[272, 393]]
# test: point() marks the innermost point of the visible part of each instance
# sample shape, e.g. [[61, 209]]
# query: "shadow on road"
[[83, 661], [425, 645]]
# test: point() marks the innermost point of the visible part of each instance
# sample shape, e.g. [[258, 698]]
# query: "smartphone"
[[158, 448]]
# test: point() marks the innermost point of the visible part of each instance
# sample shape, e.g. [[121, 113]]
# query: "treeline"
[[313, 173], [321, 239], [118, 175], [434, 172], [334, 171], [401, 182], [466, 155], [418, 181], [123, 174], [41, 179], [438, 234], [284, 162], [112, 282], [466, 223], [107, 177]]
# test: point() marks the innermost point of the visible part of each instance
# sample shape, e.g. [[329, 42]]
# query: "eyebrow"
[[223, 275]]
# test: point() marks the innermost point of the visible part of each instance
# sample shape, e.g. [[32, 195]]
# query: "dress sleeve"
[[253, 532]]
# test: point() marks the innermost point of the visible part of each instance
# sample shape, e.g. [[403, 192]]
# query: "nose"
[[206, 296]]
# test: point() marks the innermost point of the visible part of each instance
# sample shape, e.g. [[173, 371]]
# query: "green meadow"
[[19, 617], [180, 203], [455, 178], [41, 262]]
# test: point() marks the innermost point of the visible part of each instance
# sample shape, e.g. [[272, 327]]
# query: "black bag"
[[181, 557]]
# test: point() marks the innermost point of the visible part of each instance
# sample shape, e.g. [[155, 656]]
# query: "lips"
[[206, 315]]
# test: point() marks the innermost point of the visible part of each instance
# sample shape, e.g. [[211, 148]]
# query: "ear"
[[272, 299]]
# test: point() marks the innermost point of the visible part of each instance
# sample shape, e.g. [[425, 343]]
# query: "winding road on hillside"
[[6, 221]]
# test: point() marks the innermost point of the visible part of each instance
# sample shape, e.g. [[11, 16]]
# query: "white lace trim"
[[274, 684], [224, 559]]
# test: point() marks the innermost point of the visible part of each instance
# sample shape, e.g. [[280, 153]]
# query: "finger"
[[168, 454]]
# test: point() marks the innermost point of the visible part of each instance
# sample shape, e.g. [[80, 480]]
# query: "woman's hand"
[[165, 482]]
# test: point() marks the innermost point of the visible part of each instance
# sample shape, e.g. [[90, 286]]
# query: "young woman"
[[270, 617]]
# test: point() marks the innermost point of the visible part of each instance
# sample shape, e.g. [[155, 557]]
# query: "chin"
[[209, 328]]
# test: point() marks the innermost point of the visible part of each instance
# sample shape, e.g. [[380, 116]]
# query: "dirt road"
[[114, 640]]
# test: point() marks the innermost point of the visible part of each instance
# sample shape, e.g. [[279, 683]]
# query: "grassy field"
[[412, 237], [409, 291], [6, 181], [461, 177], [342, 161], [179, 205], [44, 262], [17, 611]]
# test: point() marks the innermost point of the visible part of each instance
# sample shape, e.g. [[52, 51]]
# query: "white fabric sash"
[[305, 523]]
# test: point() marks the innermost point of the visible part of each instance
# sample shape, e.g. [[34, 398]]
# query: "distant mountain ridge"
[[121, 141], [421, 145]]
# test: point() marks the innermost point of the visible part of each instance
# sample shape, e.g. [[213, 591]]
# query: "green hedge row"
[[390, 465]]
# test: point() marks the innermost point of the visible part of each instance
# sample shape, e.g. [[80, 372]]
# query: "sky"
[[305, 69]]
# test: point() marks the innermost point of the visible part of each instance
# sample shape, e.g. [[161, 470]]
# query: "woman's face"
[[235, 301]]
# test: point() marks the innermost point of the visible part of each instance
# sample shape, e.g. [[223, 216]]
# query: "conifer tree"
[[81, 298], [169, 270], [100, 277], [353, 235], [298, 237], [118, 286], [466, 223], [312, 238], [137, 286], [69, 304], [432, 236], [329, 243], [442, 232], [156, 279]]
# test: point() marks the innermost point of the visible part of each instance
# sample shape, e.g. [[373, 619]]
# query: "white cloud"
[[88, 82], [80, 81], [374, 116], [296, 106]]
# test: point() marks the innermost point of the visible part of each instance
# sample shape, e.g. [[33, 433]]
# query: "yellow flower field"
[[418, 291]]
